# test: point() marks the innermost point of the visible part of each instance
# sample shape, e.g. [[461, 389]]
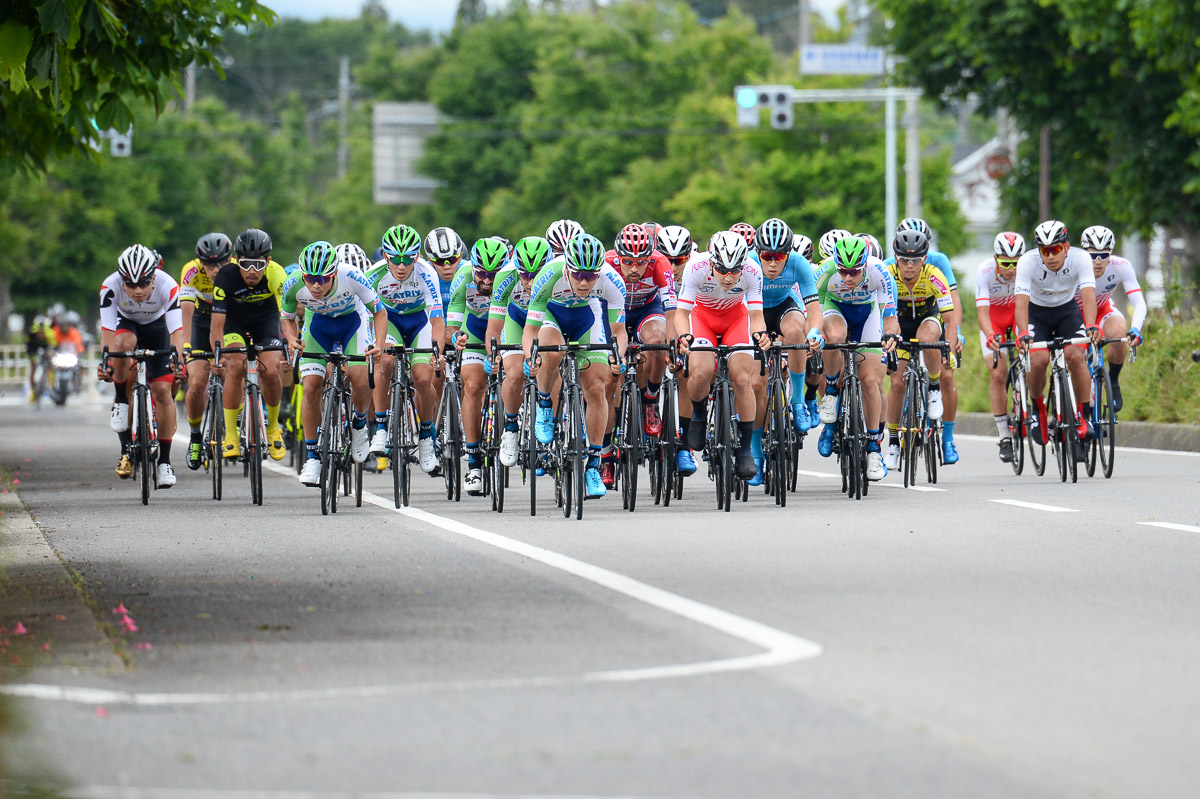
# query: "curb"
[[1142, 435]]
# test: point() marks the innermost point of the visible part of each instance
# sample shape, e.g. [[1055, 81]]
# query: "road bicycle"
[[629, 438], [917, 431], [850, 439], [403, 424], [1103, 448], [252, 433], [780, 441], [495, 473], [143, 447], [338, 468], [1062, 421], [450, 442]]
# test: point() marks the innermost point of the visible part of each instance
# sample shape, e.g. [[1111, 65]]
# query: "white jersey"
[[1120, 273], [700, 287], [991, 290], [420, 291], [696, 255], [163, 301], [1051, 289], [351, 294]]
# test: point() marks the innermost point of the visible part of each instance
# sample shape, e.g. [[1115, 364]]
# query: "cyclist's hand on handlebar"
[[1024, 341], [373, 351], [103, 373], [460, 340], [684, 342], [761, 339], [1093, 333], [890, 340], [1135, 336], [816, 341], [994, 341]]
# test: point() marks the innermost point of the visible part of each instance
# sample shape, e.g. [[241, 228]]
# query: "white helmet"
[[1097, 237], [353, 255], [137, 263], [1050, 232], [674, 241], [803, 245], [727, 250], [830, 240], [1009, 245], [873, 248], [443, 243], [560, 232]]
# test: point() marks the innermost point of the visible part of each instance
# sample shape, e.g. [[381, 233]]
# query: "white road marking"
[[781, 647], [1187, 528], [884, 485], [1033, 506], [1133, 450], [121, 792]]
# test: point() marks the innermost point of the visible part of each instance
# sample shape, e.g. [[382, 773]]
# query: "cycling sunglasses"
[[634, 261], [720, 270], [141, 284], [583, 275], [677, 260], [1007, 263], [401, 260], [211, 264], [773, 256], [318, 280], [1052, 250], [909, 261], [483, 275], [445, 261], [853, 272], [1100, 256], [253, 264]]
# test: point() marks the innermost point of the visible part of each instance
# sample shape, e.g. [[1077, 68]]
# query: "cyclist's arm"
[[290, 332], [216, 331], [381, 325], [188, 308], [1133, 291], [1021, 315], [539, 300]]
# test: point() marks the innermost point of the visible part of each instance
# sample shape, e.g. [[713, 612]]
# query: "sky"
[[435, 15]]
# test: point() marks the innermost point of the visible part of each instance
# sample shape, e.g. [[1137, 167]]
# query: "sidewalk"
[[1145, 435]]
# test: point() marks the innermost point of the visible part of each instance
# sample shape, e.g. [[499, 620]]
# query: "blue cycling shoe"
[[814, 413], [543, 428], [949, 453], [825, 442], [757, 479], [685, 463], [595, 485], [800, 417]]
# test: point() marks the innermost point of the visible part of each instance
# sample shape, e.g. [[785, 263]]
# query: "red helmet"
[[634, 242], [746, 231]]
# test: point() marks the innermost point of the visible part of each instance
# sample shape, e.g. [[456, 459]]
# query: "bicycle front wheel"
[[668, 442], [142, 413], [579, 451], [1018, 423], [781, 450], [255, 435], [909, 433], [328, 441], [631, 446], [855, 438], [1106, 426], [724, 447], [213, 434]]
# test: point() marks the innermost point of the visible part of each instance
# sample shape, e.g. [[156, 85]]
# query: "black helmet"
[[253, 243], [910, 244], [214, 247]]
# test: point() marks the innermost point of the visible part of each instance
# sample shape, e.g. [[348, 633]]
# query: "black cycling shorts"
[[262, 331], [201, 336], [150, 336], [773, 315], [1058, 321]]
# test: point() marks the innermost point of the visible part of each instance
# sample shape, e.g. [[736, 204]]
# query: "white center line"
[[1033, 506], [1187, 528], [807, 473]]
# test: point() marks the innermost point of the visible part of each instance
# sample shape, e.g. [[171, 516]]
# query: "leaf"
[[15, 41], [56, 16], [41, 60]]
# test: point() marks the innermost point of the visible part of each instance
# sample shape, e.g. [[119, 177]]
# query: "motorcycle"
[[66, 374]]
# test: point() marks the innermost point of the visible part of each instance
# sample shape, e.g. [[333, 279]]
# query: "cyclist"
[[343, 313], [995, 302], [470, 302], [922, 303], [566, 308], [721, 303], [40, 341], [789, 295], [444, 249], [213, 251], [1111, 270], [953, 326], [828, 243], [511, 293], [139, 309], [245, 309], [408, 288], [858, 297], [746, 231], [676, 245], [559, 233], [1045, 286]]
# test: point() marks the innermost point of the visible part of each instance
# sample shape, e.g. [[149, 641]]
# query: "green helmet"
[[318, 259], [584, 253], [401, 240], [532, 253], [850, 253], [489, 254]]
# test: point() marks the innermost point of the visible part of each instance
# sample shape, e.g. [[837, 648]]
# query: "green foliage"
[[64, 63]]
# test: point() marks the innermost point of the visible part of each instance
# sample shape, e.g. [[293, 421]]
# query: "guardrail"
[[14, 363]]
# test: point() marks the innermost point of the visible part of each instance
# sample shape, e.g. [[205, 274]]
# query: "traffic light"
[[776, 99], [121, 144]]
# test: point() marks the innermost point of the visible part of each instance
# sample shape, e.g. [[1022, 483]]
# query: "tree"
[[64, 64]]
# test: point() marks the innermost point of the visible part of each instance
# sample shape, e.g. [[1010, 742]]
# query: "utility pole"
[[343, 153], [189, 87], [802, 38], [912, 158]]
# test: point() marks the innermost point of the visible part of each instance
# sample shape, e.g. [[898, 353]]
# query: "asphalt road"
[[913, 644]]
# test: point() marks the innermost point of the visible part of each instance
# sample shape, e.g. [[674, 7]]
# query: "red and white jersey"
[[658, 280], [1120, 273], [991, 290], [693, 258], [163, 301], [701, 288]]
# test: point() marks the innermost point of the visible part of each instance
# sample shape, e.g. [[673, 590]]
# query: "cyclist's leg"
[[197, 375], [235, 372], [1113, 323]]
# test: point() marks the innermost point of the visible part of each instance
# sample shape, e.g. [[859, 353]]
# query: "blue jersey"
[[798, 272], [938, 259]]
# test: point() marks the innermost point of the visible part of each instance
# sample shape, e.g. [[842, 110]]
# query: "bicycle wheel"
[[397, 421], [1070, 432], [1037, 452], [1091, 447], [855, 437], [909, 420], [358, 484], [668, 448], [453, 444], [1106, 423], [141, 413], [1053, 427], [1017, 423], [631, 449], [579, 450], [254, 439], [529, 446], [328, 440], [724, 447], [499, 471], [213, 434], [778, 462]]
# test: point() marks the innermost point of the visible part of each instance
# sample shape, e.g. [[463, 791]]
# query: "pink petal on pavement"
[[16, 482], [45, 647], [120, 610], [128, 624], [101, 713], [142, 645], [19, 629]]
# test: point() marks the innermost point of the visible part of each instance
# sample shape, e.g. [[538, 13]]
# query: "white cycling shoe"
[[119, 420], [166, 475], [473, 482], [427, 455], [893, 457], [508, 448], [310, 475], [829, 409], [875, 469], [379, 442], [360, 444], [935, 404]]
